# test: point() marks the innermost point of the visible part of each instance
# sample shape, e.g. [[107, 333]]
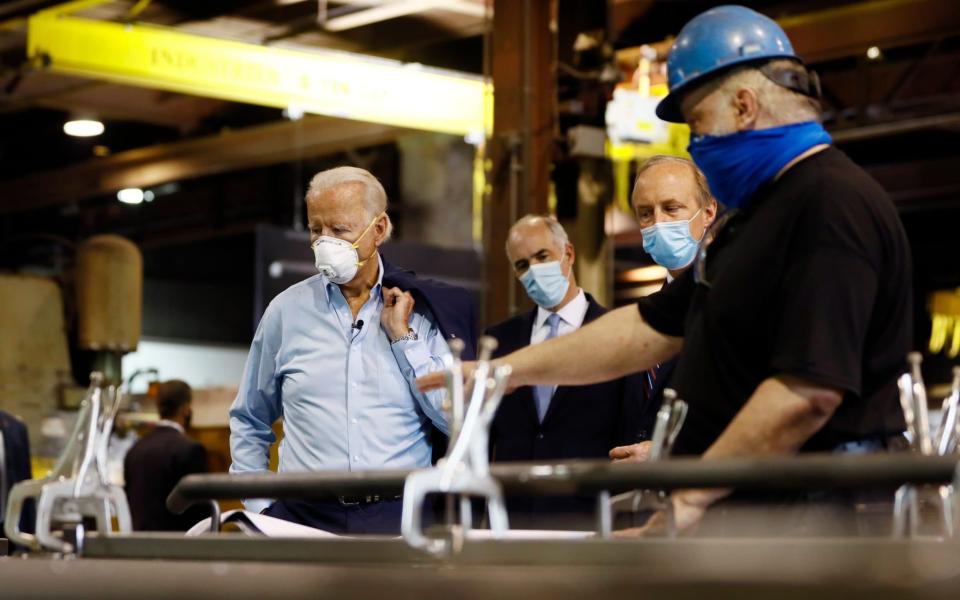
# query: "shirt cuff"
[[257, 505], [416, 353]]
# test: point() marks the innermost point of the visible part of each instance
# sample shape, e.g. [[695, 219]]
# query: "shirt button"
[[356, 459], [354, 384], [539, 436], [354, 421]]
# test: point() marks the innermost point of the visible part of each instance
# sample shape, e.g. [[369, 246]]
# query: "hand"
[[632, 453], [395, 316], [437, 380], [689, 507]]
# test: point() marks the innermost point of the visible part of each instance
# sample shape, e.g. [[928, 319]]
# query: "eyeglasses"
[[700, 263]]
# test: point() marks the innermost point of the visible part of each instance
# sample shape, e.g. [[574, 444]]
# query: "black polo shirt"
[[812, 279]]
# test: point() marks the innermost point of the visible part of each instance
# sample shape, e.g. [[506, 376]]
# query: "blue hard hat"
[[717, 39]]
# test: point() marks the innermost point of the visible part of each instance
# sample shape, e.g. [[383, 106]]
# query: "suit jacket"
[[152, 468], [454, 310], [452, 306], [581, 422], [648, 416], [16, 453]]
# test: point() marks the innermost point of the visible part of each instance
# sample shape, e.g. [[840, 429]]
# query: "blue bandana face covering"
[[545, 283], [670, 244], [736, 165]]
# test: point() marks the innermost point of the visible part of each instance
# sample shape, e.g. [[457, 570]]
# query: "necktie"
[[543, 393], [650, 382]]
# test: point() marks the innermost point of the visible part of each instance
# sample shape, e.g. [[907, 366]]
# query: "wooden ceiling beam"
[[229, 151], [849, 30]]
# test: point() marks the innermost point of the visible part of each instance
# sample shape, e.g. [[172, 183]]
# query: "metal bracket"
[[78, 486], [670, 418], [465, 470]]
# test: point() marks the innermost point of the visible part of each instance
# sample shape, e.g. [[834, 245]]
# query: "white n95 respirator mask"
[[337, 259]]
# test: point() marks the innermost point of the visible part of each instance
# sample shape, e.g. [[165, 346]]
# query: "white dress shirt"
[[571, 318]]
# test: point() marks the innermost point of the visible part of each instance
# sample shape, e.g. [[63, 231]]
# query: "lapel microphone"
[[358, 325]]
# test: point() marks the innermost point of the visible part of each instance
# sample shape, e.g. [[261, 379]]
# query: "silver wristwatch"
[[411, 335]]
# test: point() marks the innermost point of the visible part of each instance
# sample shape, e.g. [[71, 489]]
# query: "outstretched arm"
[[616, 344]]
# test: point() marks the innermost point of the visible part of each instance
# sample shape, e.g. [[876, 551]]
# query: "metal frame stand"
[[670, 418], [465, 470], [78, 487], [909, 498]]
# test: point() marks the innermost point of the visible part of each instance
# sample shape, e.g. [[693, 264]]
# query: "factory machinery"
[[83, 546], [83, 316]]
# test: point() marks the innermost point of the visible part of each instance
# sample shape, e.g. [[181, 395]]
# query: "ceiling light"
[[475, 138], [294, 112], [130, 195], [873, 53], [83, 128]]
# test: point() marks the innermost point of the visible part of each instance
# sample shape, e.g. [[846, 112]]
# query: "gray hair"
[[704, 196], [784, 105], [374, 197], [557, 231]]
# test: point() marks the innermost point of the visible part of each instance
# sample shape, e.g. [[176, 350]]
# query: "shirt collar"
[[571, 314], [374, 291], [171, 424]]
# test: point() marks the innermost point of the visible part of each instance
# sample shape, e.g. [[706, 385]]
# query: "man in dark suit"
[[566, 422], [674, 206], [157, 462]]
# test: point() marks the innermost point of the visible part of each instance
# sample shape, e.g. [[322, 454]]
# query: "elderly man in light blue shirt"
[[336, 356]]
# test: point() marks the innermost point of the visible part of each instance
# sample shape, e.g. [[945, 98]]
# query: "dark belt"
[[366, 499]]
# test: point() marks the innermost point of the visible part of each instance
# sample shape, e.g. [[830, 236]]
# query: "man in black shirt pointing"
[[794, 320]]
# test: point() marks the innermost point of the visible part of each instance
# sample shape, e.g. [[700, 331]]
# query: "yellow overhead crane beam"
[[332, 83]]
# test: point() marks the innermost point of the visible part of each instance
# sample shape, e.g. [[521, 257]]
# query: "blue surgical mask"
[[736, 165], [670, 243], [545, 283]]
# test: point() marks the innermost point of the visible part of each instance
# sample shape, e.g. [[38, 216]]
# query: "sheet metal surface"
[[585, 476], [620, 569]]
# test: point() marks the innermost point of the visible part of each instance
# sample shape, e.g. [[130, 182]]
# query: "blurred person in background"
[[160, 459]]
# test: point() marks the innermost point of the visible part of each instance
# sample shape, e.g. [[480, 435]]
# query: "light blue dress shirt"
[[347, 396]]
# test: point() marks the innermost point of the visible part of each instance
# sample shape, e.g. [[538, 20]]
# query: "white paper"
[[257, 524], [529, 534]]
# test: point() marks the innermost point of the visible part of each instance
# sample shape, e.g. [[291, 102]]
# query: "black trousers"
[[375, 518], [379, 518]]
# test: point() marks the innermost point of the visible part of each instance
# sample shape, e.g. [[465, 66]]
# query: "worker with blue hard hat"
[[725, 37], [711, 47], [794, 319]]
